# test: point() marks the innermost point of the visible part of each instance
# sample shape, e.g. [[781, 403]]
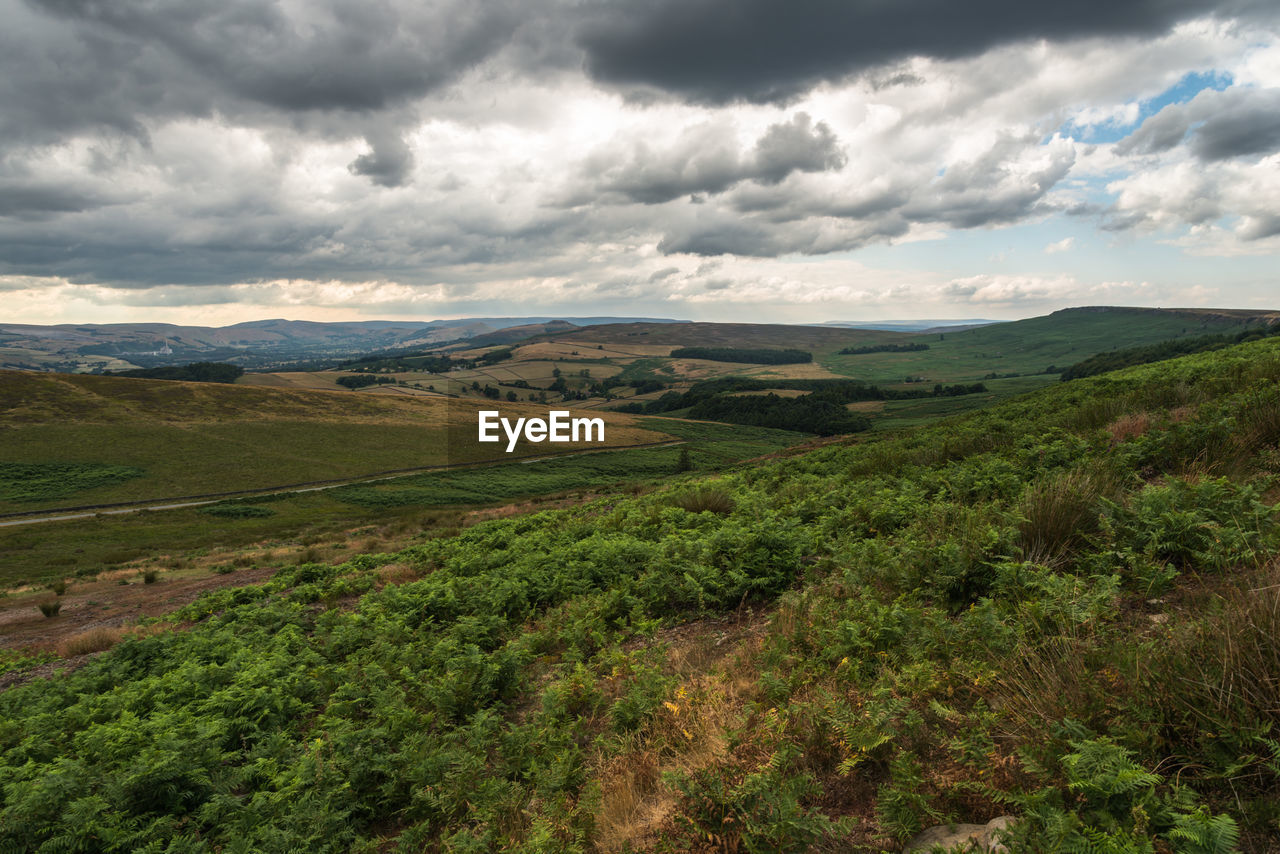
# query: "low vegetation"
[[32, 482], [1027, 610]]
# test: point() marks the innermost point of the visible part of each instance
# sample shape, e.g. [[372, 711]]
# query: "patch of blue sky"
[[1063, 245], [1114, 130]]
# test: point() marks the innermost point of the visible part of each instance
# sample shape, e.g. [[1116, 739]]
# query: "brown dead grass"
[[716, 663], [94, 640], [1129, 426], [396, 573], [103, 638]]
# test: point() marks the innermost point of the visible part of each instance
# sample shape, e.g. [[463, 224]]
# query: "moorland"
[[1055, 600]]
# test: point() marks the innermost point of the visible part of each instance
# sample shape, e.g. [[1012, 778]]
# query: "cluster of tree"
[[196, 372], [375, 364], [1129, 356], [753, 355], [363, 380], [809, 414], [835, 391], [494, 356], [883, 348]]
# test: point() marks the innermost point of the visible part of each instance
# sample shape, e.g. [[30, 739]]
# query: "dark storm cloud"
[[1216, 125], [1250, 125], [794, 146], [388, 164], [995, 188], [718, 51], [707, 160], [38, 200], [76, 64]]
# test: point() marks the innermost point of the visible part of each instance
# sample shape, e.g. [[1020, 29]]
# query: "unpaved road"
[[118, 509]]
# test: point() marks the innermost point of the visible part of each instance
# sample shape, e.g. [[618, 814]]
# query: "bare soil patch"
[[106, 603]]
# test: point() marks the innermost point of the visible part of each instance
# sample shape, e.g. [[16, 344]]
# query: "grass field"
[[298, 521], [1029, 346], [197, 439]]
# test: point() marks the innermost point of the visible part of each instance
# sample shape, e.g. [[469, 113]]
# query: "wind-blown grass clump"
[[705, 499]]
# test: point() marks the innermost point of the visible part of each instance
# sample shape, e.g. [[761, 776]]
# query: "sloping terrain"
[[1066, 608], [188, 439]]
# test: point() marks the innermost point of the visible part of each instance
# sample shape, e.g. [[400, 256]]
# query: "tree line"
[[883, 348], [1114, 360], [752, 355], [196, 372]]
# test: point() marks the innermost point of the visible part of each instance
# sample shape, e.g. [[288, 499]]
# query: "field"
[[189, 439], [1031, 346], [323, 520], [1011, 358], [1065, 607]]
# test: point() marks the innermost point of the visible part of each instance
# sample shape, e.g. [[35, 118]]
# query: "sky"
[[218, 161]]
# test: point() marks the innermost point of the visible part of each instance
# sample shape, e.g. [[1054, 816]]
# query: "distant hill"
[[722, 335], [79, 348], [1035, 345], [907, 325]]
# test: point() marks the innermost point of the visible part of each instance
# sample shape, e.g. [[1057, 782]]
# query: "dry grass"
[[690, 732], [397, 573], [1051, 681], [1129, 426], [103, 638], [1224, 670], [93, 640]]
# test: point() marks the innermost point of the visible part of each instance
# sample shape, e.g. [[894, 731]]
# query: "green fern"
[[1201, 833]]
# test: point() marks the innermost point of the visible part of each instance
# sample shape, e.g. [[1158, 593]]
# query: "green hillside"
[[1065, 608], [1031, 346], [72, 440]]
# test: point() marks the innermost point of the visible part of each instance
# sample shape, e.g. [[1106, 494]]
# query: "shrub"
[[58, 587], [50, 609], [150, 576], [237, 511]]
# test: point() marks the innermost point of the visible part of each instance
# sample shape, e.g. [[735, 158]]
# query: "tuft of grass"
[[1223, 673], [94, 640], [310, 554], [1059, 513], [50, 609], [150, 576], [705, 499], [1129, 426]]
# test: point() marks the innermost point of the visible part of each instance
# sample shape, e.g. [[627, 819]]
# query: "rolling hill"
[[200, 438]]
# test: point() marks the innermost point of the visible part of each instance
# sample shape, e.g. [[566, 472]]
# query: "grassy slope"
[[200, 438], [42, 553], [1030, 346], [1022, 611]]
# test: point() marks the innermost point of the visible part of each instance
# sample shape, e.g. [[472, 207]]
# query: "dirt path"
[[69, 513], [106, 603]]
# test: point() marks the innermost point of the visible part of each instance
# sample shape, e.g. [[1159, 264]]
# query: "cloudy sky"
[[214, 161]]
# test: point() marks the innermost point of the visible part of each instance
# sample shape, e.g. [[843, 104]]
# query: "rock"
[[976, 837]]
